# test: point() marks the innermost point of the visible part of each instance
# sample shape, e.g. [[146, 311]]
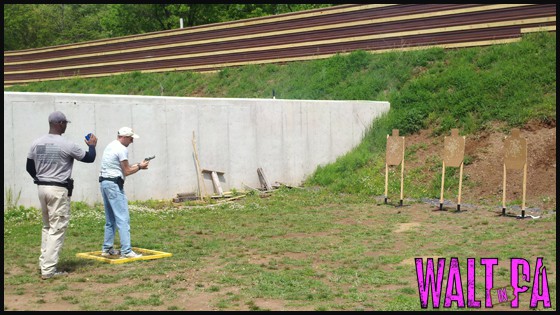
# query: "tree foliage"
[[40, 25]]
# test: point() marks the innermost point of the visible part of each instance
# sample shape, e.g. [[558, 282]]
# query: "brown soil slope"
[[486, 169]]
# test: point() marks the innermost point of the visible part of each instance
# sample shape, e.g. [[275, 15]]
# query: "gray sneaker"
[[130, 254], [56, 274], [111, 252]]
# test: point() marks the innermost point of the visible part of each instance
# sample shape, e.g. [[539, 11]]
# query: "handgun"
[[150, 157]]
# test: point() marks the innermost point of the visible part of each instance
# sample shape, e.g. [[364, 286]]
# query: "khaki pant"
[[55, 205]]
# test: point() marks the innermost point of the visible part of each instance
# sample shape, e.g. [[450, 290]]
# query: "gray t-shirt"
[[114, 153], [54, 157]]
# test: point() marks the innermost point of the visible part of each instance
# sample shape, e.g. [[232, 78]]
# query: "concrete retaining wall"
[[288, 139]]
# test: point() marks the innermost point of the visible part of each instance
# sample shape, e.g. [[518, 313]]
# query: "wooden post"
[[386, 180], [402, 175], [524, 182], [386, 176], [442, 184], [524, 189], [216, 182], [460, 183], [504, 192], [264, 181], [198, 170]]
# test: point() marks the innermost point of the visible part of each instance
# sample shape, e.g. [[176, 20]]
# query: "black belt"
[[117, 180], [51, 184], [112, 179]]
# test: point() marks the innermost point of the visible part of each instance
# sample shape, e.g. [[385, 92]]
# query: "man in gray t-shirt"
[[49, 162]]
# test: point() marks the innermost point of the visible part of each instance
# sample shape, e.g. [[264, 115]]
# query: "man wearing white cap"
[[114, 169], [50, 162]]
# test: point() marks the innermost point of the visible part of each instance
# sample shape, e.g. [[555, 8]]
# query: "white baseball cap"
[[128, 132]]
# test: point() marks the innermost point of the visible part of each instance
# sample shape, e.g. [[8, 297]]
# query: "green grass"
[[308, 248]]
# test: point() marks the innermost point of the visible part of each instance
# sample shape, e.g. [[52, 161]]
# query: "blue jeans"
[[116, 216]]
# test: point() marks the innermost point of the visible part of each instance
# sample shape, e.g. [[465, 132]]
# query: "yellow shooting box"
[[147, 254]]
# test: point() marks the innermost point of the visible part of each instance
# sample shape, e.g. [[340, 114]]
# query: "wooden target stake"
[[386, 175], [460, 184], [402, 174], [460, 181], [524, 183], [524, 189], [504, 192], [198, 170], [442, 183]]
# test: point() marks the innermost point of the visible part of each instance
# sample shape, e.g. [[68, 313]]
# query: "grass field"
[[292, 249]]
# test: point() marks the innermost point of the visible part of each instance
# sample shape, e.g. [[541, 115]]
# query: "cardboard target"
[[515, 150], [394, 152], [453, 149]]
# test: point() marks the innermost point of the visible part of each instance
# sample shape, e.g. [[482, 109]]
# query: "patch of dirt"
[[485, 172], [406, 226]]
